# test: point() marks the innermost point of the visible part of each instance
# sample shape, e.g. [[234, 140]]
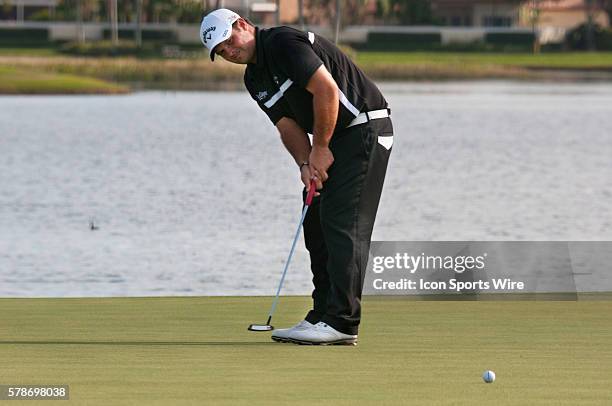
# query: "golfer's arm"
[[295, 139], [325, 98]]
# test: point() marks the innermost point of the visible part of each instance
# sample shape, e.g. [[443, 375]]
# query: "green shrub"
[[475, 46], [147, 35], [23, 36], [101, 48], [576, 39], [522, 39], [604, 41], [400, 41], [40, 15]]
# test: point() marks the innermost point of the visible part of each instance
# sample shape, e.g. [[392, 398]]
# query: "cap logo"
[[206, 37]]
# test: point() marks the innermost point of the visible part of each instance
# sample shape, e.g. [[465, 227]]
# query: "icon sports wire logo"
[[413, 264]]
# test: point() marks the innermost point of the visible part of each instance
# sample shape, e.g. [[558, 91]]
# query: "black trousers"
[[338, 225]]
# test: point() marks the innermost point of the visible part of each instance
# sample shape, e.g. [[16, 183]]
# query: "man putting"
[[305, 84]]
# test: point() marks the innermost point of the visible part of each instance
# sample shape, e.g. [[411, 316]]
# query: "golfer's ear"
[[242, 24]]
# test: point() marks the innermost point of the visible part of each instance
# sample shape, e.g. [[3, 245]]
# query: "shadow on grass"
[[142, 343]]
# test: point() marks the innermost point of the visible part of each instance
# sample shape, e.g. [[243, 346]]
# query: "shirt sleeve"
[[274, 111], [294, 56]]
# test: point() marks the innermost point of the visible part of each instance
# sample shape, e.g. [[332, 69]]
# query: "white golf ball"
[[488, 376]]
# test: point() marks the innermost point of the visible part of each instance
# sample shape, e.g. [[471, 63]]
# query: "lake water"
[[193, 193]]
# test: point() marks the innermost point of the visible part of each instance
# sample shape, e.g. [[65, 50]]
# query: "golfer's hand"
[[320, 160], [306, 177]]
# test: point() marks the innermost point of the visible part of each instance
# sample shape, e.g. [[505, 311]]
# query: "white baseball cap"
[[216, 27]]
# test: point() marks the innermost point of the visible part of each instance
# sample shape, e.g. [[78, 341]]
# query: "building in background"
[[554, 18], [477, 13], [20, 10], [564, 13], [261, 11]]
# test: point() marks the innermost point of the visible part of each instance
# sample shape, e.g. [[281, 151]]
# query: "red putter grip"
[[311, 192]]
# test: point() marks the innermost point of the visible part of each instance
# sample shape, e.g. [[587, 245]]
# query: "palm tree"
[[79, 15], [138, 30], [114, 22]]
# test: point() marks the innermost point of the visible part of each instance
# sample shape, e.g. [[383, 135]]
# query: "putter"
[[267, 326]]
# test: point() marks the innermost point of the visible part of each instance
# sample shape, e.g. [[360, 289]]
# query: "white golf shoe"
[[321, 334], [283, 335]]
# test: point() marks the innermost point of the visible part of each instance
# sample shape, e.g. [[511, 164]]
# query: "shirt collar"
[[259, 34]]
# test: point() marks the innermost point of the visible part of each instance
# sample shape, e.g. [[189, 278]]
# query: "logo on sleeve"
[[262, 95]]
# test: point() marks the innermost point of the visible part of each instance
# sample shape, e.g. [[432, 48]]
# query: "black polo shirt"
[[287, 59]]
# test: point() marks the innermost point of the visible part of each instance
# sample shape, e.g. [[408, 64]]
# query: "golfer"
[[306, 85]]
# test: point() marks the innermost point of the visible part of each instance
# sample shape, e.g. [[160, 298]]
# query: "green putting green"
[[197, 350]]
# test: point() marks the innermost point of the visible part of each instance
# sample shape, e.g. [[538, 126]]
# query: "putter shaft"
[[307, 203]]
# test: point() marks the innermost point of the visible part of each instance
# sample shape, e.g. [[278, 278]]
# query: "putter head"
[[260, 327]]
